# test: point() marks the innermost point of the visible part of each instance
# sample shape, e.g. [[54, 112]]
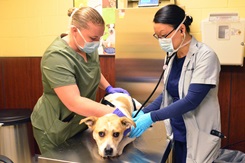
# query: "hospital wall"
[[28, 27], [200, 10]]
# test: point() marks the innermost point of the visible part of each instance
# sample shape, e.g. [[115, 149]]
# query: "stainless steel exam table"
[[148, 148]]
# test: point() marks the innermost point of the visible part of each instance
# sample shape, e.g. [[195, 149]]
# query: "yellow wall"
[[200, 9], [29, 26]]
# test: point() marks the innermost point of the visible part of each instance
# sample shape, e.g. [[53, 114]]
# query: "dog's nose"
[[108, 151]]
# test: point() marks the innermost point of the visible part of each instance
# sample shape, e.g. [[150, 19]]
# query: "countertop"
[[147, 148]]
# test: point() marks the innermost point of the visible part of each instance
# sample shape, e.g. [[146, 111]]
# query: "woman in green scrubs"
[[71, 76]]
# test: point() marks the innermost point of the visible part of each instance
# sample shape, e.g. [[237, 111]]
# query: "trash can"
[[14, 135], [230, 156], [5, 159]]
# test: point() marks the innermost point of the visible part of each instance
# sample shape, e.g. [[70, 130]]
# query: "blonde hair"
[[81, 16]]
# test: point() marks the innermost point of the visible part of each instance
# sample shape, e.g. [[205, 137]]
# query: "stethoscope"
[[168, 58]]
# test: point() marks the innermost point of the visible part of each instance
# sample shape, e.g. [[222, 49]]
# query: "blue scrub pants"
[[179, 152]]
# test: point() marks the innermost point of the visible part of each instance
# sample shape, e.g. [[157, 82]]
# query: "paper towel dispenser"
[[224, 32]]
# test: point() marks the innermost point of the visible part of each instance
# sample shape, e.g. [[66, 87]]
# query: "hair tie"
[[189, 17], [74, 11], [70, 19]]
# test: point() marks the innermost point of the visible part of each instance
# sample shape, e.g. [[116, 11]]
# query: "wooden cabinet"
[[21, 85], [20, 82], [107, 64], [232, 104]]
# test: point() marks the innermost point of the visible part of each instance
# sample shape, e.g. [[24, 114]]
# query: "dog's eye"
[[101, 134], [115, 134]]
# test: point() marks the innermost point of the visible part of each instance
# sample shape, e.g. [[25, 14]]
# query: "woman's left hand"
[[111, 90]]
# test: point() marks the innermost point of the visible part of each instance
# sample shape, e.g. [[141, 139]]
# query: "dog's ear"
[[127, 122], [89, 121]]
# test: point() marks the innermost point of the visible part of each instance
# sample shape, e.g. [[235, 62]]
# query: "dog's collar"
[[134, 104], [106, 102]]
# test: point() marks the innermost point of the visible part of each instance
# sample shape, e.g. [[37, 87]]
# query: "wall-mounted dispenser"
[[224, 32]]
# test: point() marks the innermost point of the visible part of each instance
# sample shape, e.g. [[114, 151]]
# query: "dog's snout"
[[108, 151], [111, 31]]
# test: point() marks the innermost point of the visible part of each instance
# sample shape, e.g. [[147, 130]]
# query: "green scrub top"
[[62, 66]]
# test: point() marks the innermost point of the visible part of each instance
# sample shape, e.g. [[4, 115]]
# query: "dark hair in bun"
[[172, 15]]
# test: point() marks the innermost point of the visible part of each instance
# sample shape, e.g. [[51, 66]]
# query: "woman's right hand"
[[144, 122]]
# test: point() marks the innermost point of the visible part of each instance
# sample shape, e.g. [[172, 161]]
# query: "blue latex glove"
[[111, 90], [138, 115], [142, 124], [120, 114]]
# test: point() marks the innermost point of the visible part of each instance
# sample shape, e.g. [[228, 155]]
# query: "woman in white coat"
[[189, 102]]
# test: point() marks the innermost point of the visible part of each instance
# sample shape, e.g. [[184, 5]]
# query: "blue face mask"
[[89, 47], [167, 43]]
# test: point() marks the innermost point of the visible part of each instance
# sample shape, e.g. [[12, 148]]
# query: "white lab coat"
[[201, 66]]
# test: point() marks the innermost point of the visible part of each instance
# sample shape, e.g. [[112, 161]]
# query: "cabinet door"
[[22, 81], [107, 64], [1, 85]]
